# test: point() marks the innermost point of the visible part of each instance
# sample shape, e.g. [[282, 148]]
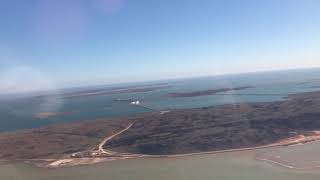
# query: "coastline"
[[69, 162], [102, 132]]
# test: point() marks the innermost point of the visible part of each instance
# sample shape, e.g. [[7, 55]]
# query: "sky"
[[62, 43]]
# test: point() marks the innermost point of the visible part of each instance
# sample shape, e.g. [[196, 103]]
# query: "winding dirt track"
[[101, 150]]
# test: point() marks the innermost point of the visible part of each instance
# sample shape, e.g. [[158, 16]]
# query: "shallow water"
[[228, 166], [297, 156]]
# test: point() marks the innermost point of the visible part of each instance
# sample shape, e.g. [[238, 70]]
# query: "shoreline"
[[261, 125], [72, 162], [112, 156]]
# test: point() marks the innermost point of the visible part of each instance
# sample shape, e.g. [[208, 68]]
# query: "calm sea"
[[267, 86], [227, 166]]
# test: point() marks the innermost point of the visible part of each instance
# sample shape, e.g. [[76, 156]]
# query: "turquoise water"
[[18, 114]]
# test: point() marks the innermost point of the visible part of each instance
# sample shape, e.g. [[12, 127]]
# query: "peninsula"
[[223, 128]]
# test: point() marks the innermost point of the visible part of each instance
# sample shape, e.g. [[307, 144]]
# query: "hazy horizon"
[[57, 44], [56, 90]]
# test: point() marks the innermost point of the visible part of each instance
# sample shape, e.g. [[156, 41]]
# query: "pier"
[[153, 109], [136, 102]]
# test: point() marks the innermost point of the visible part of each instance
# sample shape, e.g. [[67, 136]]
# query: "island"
[[206, 92], [118, 90], [181, 132]]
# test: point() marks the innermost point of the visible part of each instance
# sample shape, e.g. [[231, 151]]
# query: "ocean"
[[21, 113]]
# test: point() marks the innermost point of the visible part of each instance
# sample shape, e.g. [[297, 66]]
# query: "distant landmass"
[[103, 91], [119, 90], [206, 92]]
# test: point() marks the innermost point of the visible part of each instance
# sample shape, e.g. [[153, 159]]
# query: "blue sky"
[[78, 42]]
